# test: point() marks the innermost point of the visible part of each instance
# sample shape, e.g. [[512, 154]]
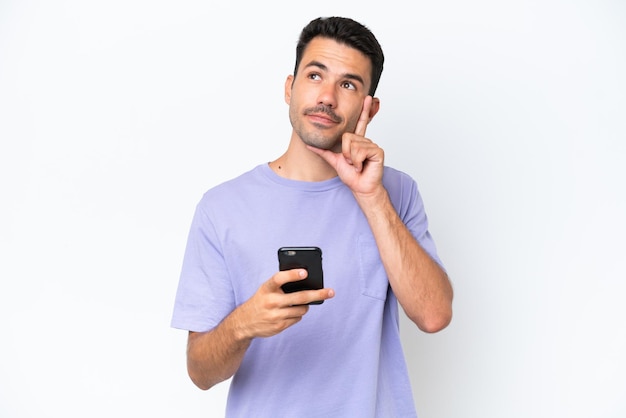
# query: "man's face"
[[326, 96]]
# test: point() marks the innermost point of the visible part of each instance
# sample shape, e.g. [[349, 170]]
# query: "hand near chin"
[[360, 163]]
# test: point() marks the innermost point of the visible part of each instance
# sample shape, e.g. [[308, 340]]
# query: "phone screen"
[[308, 258]]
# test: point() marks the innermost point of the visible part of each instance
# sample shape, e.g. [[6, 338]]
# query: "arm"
[[214, 356], [421, 286]]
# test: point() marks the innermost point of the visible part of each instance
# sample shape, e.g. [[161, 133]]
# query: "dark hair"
[[348, 32]]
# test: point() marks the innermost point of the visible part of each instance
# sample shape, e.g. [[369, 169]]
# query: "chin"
[[322, 143]]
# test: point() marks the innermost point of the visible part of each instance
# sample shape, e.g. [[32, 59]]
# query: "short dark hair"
[[348, 32]]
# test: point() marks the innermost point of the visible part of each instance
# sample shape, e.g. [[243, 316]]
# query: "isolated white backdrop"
[[116, 116]]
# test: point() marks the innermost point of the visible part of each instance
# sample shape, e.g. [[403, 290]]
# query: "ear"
[[288, 87], [374, 108]]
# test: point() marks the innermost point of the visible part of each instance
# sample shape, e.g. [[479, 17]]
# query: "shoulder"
[[394, 174], [403, 192], [398, 182], [234, 186]]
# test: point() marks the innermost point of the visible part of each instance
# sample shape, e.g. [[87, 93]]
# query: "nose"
[[327, 95]]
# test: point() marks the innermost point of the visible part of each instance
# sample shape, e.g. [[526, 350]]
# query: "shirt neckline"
[[311, 186]]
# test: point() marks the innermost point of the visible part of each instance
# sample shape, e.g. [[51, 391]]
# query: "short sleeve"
[[204, 295]]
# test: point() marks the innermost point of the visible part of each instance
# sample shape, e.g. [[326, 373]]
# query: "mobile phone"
[[308, 258]]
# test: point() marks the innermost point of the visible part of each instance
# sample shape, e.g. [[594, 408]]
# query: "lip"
[[321, 119]]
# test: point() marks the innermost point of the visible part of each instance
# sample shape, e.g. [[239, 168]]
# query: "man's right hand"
[[214, 356], [270, 310]]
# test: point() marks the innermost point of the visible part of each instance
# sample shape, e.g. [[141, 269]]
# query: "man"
[[330, 189]]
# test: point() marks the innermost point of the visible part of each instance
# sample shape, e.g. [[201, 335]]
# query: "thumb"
[[329, 156]]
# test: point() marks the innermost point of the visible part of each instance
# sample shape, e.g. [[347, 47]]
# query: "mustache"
[[322, 108]]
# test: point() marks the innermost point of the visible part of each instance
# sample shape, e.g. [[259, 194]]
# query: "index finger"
[[364, 118]]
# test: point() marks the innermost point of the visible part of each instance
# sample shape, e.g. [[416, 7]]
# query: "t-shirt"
[[344, 359]]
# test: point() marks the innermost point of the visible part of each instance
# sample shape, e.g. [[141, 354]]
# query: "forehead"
[[337, 57]]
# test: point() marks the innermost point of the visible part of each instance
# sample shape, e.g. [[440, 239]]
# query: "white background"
[[116, 116]]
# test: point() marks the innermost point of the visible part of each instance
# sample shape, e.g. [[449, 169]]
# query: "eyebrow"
[[323, 67]]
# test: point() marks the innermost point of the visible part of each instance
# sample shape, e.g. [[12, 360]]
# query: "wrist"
[[377, 197], [238, 329]]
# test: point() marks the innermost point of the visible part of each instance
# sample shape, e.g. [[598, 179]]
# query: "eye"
[[314, 76], [348, 85]]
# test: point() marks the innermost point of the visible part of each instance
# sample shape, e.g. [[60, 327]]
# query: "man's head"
[[338, 64], [345, 31]]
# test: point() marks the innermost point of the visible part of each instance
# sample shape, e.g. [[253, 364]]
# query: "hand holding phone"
[[308, 258]]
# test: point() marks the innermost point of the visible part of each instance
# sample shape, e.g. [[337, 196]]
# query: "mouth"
[[321, 120], [322, 115]]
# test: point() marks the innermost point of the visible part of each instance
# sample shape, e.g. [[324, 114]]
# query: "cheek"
[[352, 121], [293, 97]]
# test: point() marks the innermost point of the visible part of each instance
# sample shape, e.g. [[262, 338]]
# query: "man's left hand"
[[360, 163]]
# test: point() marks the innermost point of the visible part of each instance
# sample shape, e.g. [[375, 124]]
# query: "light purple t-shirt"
[[344, 359]]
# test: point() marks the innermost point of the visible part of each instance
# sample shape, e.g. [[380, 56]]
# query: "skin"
[[329, 109]]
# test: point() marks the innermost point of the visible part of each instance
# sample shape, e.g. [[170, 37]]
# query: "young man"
[[330, 189]]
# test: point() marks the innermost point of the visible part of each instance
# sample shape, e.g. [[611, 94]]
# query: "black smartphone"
[[308, 258]]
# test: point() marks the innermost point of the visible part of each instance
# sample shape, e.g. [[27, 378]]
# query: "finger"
[[295, 311], [357, 150], [346, 147], [329, 156], [285, 276], [304, 297], [364, 118]]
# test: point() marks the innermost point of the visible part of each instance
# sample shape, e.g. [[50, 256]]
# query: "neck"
[[298, 163]]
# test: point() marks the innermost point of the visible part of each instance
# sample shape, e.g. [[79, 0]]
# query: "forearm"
[[215, 355], [420, 284]]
